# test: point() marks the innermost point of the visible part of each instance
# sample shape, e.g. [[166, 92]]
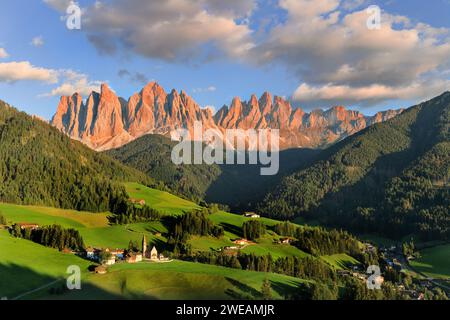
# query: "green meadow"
[[25, 265], [340, 261], [29, 266], [434, 262], [159, 200], [181, 280], [232, 224], [93, 227]]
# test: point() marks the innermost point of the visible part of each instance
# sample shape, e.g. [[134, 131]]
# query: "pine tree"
[[266, 290]]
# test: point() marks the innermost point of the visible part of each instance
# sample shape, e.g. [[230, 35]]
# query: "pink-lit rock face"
[[105, 121]]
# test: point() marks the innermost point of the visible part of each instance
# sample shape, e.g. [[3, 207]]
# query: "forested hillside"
[[41, 166], [391, 178], [238, 186]]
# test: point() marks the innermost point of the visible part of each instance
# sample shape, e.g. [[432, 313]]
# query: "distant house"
[[134, 258], [90, 253], [242, 242], [138, 201], [231, 248], [100, 270], [24, 225], [252, 215], [286, 240], [118, 253], [110, 261]]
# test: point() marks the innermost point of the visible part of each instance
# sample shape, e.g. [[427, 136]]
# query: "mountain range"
[[105, 121]]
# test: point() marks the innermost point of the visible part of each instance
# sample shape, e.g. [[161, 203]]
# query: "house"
[[24, 225], [162, 258], [91, 253], [110, 261], [286, 240], [252, 215], [137, 201], [100, 270], [231, 248], [242, 242], [134, 258], [118, 253]]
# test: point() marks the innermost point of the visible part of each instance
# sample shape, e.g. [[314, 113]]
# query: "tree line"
[[53, 236]]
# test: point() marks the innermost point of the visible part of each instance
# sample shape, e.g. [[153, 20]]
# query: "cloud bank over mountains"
[[325, 44]]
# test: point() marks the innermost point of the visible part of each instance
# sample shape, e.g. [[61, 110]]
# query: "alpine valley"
[[95, 188]]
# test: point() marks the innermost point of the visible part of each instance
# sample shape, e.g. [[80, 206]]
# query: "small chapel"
[[152, 254]]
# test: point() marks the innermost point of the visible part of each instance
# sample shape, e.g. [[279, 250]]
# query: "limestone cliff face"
[[106, 121]]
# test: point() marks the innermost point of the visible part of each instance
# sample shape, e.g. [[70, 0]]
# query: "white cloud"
[[326, 44], [344, 94], [37, 41], [207, 89], [3, 53], [170, 30], [332, 52], [24, 70], [73, 82], [60, 5]]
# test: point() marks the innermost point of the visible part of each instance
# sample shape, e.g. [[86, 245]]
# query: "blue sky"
[[233, 50]]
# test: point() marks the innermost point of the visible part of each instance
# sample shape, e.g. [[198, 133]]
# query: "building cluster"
[[120, 255]]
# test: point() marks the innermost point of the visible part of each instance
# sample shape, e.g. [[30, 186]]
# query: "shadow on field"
[[242, 291], [286, 290], [232, 228], [21, 283]]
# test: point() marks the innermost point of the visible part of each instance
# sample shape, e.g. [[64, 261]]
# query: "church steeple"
[[144, 246]]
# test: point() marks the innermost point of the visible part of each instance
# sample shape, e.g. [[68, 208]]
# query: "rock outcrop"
[[106, 121]]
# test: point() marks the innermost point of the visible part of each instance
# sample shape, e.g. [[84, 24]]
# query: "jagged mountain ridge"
[[106, 121]]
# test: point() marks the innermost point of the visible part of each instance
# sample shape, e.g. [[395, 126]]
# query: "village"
[[393, 260], [108, 257]]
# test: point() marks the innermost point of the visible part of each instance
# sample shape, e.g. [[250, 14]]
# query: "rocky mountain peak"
[[106, 121]]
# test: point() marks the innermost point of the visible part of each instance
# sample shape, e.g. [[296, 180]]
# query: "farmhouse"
[[252, 215], [111, 260], [118, 253], [90, 253], [231, 248], [286, 240], [133, 258], [242, 242], [100, 270], [137, 201], [25, 225]]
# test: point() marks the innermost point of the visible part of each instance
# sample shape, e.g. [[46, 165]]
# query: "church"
[[152, 254]]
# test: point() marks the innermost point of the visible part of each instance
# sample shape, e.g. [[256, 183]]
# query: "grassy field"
[[232, 223], [340, 261], [48, 216], [159, 200], [180, 280], [93, 227], [434, 262], [25, 265]]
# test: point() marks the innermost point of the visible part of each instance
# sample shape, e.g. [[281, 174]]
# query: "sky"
[[317, 53]]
